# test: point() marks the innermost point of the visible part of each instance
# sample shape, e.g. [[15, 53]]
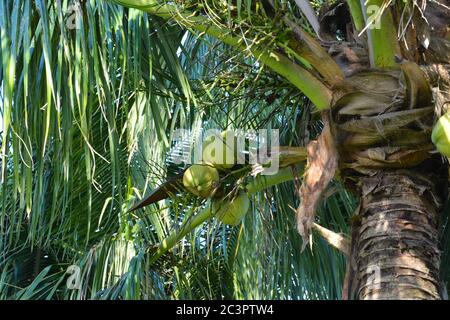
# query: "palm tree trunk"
[[395, 252]]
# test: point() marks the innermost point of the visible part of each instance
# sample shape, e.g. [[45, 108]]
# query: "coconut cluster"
[[220, 150], [231, 211], [201, 180], [219, 153], [441, 135]]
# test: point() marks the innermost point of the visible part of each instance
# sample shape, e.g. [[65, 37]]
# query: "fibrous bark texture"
[[383, 127], [395, 246]]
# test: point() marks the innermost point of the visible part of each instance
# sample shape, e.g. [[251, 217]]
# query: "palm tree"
[[92, 93]]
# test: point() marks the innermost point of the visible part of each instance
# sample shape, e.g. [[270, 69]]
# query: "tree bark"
[[395, 245]]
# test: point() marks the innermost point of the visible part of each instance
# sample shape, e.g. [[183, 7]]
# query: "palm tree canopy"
[[92, 95]]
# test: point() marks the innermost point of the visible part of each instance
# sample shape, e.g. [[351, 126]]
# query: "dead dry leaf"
[[321, 167]]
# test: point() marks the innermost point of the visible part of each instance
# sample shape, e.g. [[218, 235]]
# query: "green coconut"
[[219, 151], [441, 135], [201, 179], [231, 211]]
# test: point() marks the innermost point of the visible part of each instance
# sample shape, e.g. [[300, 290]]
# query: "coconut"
[[231, 211], [441, 135], [220, 150], [201, 179]]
